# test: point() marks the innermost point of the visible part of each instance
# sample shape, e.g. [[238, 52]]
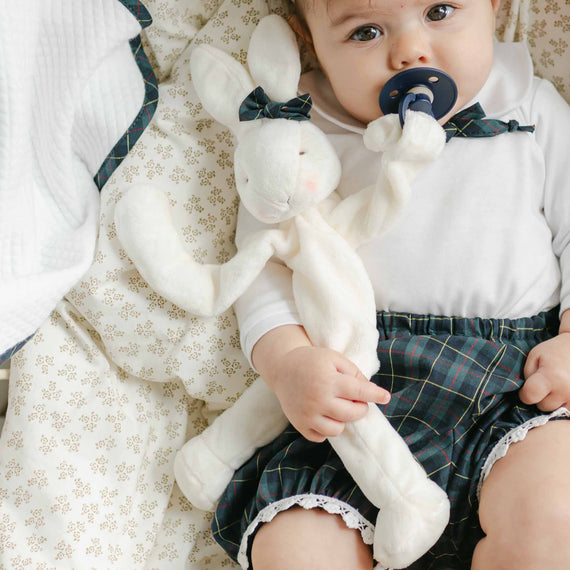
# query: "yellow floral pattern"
[[545, 26], [119, 378]]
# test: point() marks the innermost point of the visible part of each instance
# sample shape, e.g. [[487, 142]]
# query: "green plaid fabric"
[[150, 103], [257, 105], [471, 122], [454, 385]]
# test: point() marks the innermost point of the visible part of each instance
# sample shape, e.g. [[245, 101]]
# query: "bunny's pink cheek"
[[311, 186]]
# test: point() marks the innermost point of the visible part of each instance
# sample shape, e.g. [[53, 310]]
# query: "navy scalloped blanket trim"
[[144, 116]]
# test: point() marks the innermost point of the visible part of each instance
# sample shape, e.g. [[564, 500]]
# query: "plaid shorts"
[[454, 385]]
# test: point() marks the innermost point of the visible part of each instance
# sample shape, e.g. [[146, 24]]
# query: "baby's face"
[[361, 44]]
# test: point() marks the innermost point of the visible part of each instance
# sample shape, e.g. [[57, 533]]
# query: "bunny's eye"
[[301, 153]]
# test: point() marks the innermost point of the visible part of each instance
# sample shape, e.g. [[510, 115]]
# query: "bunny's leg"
[[206, 464], [414, 510]]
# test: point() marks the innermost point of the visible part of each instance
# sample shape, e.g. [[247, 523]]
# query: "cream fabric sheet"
[[118, 378]]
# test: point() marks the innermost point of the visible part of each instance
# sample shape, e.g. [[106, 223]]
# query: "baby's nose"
[[409, 48]]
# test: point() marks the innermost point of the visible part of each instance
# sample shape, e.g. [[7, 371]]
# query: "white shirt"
[[487, 229]]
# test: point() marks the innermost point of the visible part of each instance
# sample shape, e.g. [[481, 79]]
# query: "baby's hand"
[[547, 373], [320, 391]]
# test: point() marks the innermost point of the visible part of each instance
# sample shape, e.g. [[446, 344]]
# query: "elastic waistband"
[[545, 324]]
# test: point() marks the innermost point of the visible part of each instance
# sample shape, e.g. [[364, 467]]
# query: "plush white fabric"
[[69, 89]]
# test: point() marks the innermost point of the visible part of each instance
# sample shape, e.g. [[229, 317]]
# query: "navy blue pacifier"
[[420, 89]]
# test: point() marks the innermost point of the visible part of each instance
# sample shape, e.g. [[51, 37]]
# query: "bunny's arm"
[[147, 232], [405, 152]]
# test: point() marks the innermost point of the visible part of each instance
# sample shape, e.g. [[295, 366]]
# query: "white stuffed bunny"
[[276, 162]]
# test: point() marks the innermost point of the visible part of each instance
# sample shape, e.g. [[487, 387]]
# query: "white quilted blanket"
[[69, 88], [117, 378]]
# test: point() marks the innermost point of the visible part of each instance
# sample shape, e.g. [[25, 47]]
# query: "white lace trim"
[[351, 517], [515, 435]]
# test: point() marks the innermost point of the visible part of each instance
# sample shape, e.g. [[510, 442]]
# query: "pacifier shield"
[[440, 84]]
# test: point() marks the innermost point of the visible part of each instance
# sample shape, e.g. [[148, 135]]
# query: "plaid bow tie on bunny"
[[257, 105]]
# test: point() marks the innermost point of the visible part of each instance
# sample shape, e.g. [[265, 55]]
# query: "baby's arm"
[[547, 371], [319, 389]]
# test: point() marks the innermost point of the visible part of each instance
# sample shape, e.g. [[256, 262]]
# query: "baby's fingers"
[[313, 435], [346, 411], [365, 391], [536, 389], [324, 427], [346, 366], [552, 402]]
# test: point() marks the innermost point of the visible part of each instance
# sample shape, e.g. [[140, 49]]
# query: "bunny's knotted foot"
[[409, 526], [200, 474]]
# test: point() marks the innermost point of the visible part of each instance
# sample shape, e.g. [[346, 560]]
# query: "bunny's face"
[[283, 167]]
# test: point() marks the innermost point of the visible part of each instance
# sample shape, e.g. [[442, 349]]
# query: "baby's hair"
[[296, 19]]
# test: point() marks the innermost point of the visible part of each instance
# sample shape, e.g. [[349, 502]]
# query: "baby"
[[472, 287]]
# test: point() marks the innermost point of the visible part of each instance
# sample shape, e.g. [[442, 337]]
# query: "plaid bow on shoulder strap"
[[471, 122]]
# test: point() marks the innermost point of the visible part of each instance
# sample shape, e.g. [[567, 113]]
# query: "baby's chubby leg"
[[299, 538], [525, 504]]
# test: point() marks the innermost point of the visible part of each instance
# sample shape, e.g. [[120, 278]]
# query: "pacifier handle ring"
[[416, 102], [423, 89]]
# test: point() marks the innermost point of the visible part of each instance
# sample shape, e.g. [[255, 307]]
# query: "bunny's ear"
[[221, 83], [273, 58]]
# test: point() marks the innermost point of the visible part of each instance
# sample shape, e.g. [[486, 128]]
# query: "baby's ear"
[[221, 83], [273, 58]]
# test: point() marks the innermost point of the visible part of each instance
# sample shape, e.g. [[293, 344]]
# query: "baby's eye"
[[439, 12], [366, 34]]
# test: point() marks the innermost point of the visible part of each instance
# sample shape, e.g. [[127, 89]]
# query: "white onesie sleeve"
[[552, 115]]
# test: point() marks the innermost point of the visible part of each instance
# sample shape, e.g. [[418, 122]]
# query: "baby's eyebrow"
[[341, 11], [350, 13]]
